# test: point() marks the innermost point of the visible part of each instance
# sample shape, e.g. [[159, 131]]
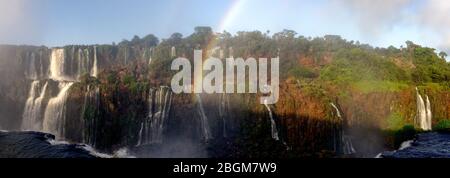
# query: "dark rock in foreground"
[[427, 145], [38, 145]]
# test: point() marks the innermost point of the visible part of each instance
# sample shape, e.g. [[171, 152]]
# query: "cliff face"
[[115, 100]]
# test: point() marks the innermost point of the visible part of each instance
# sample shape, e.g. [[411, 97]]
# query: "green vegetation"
[[379, 86], [395, 121], [429, 66], [329, 59], [302, 72], [356, 65]]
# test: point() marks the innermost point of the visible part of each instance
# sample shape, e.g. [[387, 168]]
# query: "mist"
[[22, 22]]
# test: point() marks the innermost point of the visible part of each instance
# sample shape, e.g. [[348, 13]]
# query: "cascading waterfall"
[[33, 107], [54, 117], [203, 119], [346, 144], [424, 115], [159, 105], [274, 129], [89, 114]]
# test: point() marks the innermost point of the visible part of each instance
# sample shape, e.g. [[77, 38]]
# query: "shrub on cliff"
[[442, 126]]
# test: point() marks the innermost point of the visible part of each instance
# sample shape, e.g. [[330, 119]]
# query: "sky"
[[377, 22]]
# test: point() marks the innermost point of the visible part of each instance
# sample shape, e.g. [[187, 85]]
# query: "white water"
[[33, 107], [94, 152], [152, 128], [274, 129], [406, 144], [54, 116], [379, 155], [123, 153], [424, 115], [203, 119]]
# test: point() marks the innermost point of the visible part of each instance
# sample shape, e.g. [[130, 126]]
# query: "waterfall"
[[94, 70], [80, 62], [203, 119], [86, 60], [230, 52], [91, 101], [83, 62], [347, 147], [429, 113], [33, 107], [223, 110], [346, 144], [57, 65], [54, 117], [159, 105], [150, 56], [424, 115], [42, 74], [31, 73], [337, 110], [274, 129]]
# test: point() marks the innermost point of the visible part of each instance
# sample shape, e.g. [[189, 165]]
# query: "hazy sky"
[[377, 22]]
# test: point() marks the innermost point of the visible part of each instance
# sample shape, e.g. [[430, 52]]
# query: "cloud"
[[435, 17], [374, 17], [377, 18]]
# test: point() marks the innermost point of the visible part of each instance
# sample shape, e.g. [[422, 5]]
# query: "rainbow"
[[231, 14], [227, 20]]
